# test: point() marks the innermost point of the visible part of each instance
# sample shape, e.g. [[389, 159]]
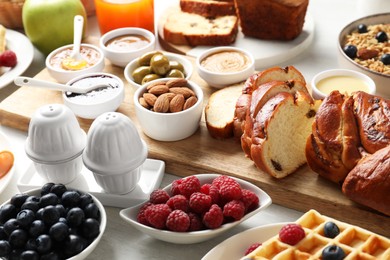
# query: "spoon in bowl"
[[32, 82]]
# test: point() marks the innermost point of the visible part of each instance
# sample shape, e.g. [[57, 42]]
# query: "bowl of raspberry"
[[197, 208]]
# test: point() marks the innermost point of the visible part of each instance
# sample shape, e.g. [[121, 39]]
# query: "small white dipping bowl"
[[130, 215], [96, 102], [121, 57], [187, 65], [62, 75], [169, 126], [235, 64], [357, 78]]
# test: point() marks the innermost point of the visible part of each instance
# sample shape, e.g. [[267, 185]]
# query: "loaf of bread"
[[184, 28], [369, 182], [272, 19], [208, 8]]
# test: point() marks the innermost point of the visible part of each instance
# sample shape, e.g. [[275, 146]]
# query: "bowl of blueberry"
[[51, 222], [363, 46]]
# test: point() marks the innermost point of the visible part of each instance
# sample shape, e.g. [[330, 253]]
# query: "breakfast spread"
[[226, 61], [6, 162], [54, 223], [128, 42], [368, 46], [316, 236], [63, 59]]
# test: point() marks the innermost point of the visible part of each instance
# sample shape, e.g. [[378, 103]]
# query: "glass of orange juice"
[[113, 14]]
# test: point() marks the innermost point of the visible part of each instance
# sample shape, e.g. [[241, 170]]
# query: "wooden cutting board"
[[201, 153]]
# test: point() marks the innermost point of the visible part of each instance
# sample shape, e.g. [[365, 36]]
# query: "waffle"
[[356, 242]]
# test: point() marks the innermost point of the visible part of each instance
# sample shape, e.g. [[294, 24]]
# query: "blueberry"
[[44, 243], [33, 205], [7, 211], [70, 199], [33, 198], [39, 213], [333, 252], [381, 36], [50, 215], [362, 28], [15, 254], [37, 228], [11, 225], [75, 217], [18, 199], [25, 217], [60, 208], [350, 51], [58, 189], [331, 230], [48, 199], [29, 255], [92, 211], [90, 228], [385, 59], [31, 244], [3, 235], [50, 256], [18, 238], [46, 188], [73, 245], [5, 248], [59, 231], [85, 199]]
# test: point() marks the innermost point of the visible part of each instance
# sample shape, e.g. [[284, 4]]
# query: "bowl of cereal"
[[364, 46]]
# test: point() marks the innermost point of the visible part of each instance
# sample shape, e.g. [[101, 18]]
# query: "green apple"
[[49, 23]]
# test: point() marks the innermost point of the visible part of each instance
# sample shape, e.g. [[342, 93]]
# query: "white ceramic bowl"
[[115, 153], [218, 79], [169, 126], [188, 68], [123, 57], [94, 103], [381, 80], [318, 94], [55, 143], [130, 215], [103, 223], [62, 75]]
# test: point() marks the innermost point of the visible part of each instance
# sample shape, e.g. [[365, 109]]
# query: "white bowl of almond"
[[169, 109]]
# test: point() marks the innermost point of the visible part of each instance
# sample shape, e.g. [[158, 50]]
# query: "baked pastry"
[[272, 19], [354, 241], [369, 182], [219, 111], [208, 8], [183, 28], [11, 13]]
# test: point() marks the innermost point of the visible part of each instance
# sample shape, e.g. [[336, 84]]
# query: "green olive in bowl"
[[140, 72], [175, 73], [160, 64], [144, 60]]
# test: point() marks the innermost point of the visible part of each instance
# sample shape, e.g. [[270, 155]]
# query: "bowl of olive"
[[155, 65]]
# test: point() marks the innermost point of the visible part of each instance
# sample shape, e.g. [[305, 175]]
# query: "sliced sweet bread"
[[183, 28], [208, 8]]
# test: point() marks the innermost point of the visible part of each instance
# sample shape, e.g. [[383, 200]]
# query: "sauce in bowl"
[[128, 42], [90, 58], [226, 62], [344, 84]]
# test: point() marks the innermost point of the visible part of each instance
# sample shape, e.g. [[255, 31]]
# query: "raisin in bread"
[[272, 19], [208, 8], [183, 28]]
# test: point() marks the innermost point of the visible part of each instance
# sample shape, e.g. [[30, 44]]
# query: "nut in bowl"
[[63, 68], [224, 66], [122, 45], [155, 65], [363, 46], [343, 80], [169, 109], [213, 215]]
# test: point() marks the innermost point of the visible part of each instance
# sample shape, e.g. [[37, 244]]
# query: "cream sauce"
[[344, 84], [128, 42]]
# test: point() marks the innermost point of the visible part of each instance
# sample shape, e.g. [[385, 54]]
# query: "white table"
[[121, 241]]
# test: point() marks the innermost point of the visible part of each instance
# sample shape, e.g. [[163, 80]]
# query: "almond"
[[158, 89], [190, 102], [143, 103], [162, 104], [186, 92], [366, 54], [149, 98], [177, 103], [177, 82], [152, 85]]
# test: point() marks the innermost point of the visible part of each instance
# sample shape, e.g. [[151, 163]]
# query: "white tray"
[[151, 177]]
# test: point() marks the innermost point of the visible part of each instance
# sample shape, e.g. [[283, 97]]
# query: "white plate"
[[6, 145], [130, 215], [234, 247], [24, 51], [151, 177]]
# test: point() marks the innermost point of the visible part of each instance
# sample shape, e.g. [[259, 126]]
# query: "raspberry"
[[250, 200], [189, 185], [199, 202], [234, 209], [141, 218], [195, 222], [211, 190], [159, 196], [178, 202], [178, 221], [252, 248], [223, 179], [214, 217], [8, 59], [175, 187], [157, 214], [230, 191], [291, 234]]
